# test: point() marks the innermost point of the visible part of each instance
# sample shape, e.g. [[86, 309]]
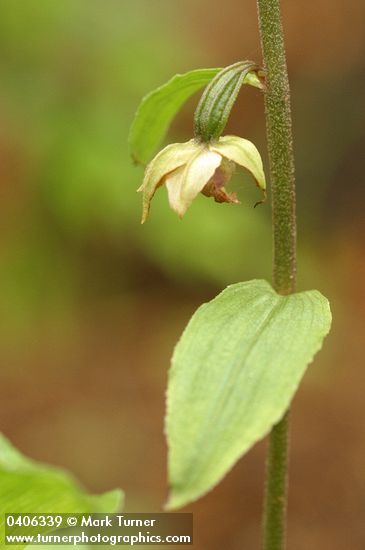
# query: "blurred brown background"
[[92, 303]]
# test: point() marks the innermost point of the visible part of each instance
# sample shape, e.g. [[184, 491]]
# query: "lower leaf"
[[30, 487], [234, 372]]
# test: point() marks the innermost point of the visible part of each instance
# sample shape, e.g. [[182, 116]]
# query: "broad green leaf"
[[28, 486], [234, 372], [159, 107]]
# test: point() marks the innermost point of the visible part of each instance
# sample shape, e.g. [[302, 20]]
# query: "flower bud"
[[215, 105]]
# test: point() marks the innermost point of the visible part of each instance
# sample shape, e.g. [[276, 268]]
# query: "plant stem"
[[280, 145], [275, 505], [280, 148]]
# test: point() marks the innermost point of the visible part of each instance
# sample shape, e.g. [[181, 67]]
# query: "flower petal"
[[191, 180], [242, 152], [173, 186], [169, 159]]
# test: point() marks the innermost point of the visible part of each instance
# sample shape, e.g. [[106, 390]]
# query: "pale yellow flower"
[[193, 167]]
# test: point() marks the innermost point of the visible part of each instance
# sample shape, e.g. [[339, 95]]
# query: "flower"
[[193, 167]]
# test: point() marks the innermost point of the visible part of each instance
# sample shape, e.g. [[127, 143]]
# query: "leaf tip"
[[174, 501], [112, 501], [137, 161]]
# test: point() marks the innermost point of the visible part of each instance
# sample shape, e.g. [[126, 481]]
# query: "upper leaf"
[[159, 107], [30, 487], [234, 372]]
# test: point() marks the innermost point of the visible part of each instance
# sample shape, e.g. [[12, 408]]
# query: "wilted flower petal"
[[169, 159], [215, 186], [187, 184], [173, 182], [244, 153]]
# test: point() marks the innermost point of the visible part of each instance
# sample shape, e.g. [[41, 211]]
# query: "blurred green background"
[[92, 302]]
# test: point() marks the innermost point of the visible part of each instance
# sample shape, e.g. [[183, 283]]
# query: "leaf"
[[234, 372], [31, 487], [159, 107]]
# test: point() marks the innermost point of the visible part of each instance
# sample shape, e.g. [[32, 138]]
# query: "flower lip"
[[215, 186]]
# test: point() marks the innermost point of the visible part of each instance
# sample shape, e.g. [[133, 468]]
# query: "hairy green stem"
[[274, 525], [280, 147]]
